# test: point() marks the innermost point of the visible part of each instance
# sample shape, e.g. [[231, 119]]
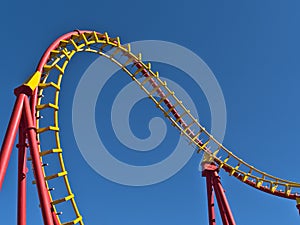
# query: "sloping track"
[[50, 72]]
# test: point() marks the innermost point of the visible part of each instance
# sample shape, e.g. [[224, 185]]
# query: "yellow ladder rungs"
[[189, 126], [258, 183], [60, 69], [55, 202], [196, 136], [52, 128], [172, 108], [85, 39], [157, 87], [106, 37], [74, 44], [245, 177], [55, 150], [53, 176], [67, 53], [148, 66], [166, 96], [54, 53], [74, 221], [47, 152], [49, 105], [115, 52], [182, 115], [146, 80], [138, 71], [287, 190], [224, 161], [63, 43], [235, 168], [51, 84], [95, 36], [130, 59], [273, 187], [47, 68]]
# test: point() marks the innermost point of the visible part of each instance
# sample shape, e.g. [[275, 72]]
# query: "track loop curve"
[[52, 67]]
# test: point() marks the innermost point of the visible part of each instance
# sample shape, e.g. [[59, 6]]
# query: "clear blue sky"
[[251, 46]]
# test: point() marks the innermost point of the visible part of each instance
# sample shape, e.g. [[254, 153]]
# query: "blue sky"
[[251, 46]]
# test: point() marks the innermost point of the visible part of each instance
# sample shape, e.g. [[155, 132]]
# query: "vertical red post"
[[22, 171], [10, 136], [46, 206], [33, 102], [210, 200]]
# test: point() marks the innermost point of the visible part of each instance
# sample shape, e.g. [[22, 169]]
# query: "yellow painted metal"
[[62, 199], [96, 43], [33, 81], [53, 176]]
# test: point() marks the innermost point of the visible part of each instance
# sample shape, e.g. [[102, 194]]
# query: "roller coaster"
[[39, 95]]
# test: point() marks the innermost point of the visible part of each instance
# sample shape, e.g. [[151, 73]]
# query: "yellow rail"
[[169, 104]]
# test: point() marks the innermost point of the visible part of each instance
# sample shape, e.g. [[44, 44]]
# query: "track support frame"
[[214, 188], [23, 119]]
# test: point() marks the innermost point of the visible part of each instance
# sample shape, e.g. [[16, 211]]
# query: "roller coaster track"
[[45, 84]]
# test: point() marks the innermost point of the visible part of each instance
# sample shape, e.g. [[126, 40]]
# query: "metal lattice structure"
[[40, 96]]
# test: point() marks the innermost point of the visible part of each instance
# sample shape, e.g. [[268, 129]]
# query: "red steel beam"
[[10, 136], [222, 200], [22, 171], [46, 206], [210, 201]]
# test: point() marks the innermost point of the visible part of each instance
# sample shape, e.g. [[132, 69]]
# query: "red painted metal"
[[54, 45], [46, 206], [10, 136], [218, 186], [210, 201], [22, 171], [33, 102], [221, 206], [210, 171]]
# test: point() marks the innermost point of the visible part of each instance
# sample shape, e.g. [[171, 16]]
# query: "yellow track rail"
[[169, 104]]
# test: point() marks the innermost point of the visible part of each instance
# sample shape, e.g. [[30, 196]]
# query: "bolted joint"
[[208, 168], [29, 86], [22, 145], [31, 128]]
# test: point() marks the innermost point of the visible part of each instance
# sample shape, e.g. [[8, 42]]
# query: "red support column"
[[46, 206], [210, 198], [10, 136], [220, 204], [214, 185], [22, 171], [33, 103], [219, 189]]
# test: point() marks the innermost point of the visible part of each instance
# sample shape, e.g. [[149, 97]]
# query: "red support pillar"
[[218, 186], [10, 136], [22, 171], [214, 185], [33, 102], [210, 200], [46, 206], [221, 206]]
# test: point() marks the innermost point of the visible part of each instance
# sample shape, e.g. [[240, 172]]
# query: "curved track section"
[[51, 70]]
